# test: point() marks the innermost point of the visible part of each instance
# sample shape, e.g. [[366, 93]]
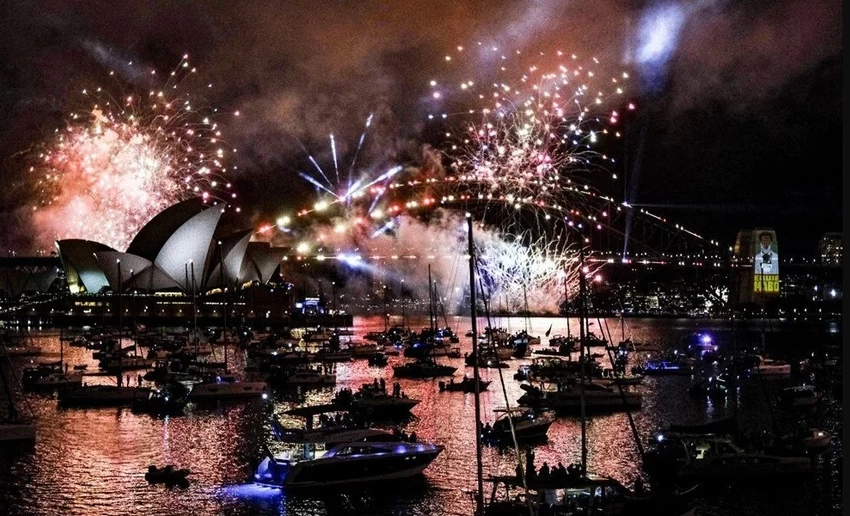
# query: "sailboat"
[[51, 375], [573, 491], [13, 426], [427, 366]]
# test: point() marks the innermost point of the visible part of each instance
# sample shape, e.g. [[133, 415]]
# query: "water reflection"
[[91, 461]]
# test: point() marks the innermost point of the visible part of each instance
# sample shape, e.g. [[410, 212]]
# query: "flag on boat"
[[549, 330]]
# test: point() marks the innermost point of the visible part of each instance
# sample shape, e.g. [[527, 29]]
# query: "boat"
[[126, 363], [801, 396], [467, 385], [168, 400], [635, 346], [378, 360], [364, 350], [574, 494], [562, 350], [301, 376], [555, 368], [806, 441], [375, 458], [373, 400], [101, 396], [339, 456], [168, 475], [562, 397], [49, 375], [712, 457], [220, 387], [376, 336], [13, 425], [20, 351], [621, 379], [559, 340], [769, 367], [528, 425], [423, 368], [714, 387], [655, 367]]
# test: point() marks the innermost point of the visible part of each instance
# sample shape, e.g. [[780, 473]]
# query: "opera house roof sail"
[[179, 249]]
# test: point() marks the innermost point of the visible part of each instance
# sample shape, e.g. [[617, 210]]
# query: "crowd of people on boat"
[[546, 474]]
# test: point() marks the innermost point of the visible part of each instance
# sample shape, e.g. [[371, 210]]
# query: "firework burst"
[[120, 160]]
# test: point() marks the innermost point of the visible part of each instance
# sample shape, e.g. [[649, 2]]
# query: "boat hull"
[[10, 432], [333, 471]]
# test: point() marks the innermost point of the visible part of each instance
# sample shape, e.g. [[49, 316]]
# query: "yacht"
[[101, 396], [577, 495], [423, 368], [715, 457], [528, 425], [467, 385], [50, 376], [301, 376], [769, 367], [375, 458], [126, 363], [373, 401], [664, 368], [221, 387], [335, 455], [801, 396], [20, 351], [597, 397], [364, 350], [378, 360]]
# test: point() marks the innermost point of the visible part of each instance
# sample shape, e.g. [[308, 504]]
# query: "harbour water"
[[93, 461]]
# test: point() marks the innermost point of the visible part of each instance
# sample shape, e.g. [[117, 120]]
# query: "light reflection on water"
[[93, 461]]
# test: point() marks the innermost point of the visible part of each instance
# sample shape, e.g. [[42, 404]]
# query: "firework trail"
[[519, 160], [120, 160]]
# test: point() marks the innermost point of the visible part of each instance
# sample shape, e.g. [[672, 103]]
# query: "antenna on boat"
[[479, 497]]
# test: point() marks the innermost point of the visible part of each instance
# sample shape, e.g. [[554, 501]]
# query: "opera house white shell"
[[180, 249]]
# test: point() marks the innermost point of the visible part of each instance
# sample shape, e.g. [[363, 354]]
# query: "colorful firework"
[[120, 161]]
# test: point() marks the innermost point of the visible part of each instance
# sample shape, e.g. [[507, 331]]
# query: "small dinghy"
[[168, 475]]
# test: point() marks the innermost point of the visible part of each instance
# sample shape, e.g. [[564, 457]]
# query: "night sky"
[[739, 103]]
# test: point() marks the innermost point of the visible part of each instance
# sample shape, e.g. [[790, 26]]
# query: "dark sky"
[[739, 116]]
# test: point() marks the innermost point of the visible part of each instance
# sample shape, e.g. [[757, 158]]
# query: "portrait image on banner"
[[765, 262]]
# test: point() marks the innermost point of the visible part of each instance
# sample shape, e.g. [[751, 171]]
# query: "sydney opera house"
[[188, 256], [182, 249]]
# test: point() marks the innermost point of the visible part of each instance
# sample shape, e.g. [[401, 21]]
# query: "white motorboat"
[[365, 456], [227, 387]]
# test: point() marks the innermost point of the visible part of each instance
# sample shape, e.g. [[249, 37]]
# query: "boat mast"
[[430, 304], [582, 341], [479, 498], [120, 325], [223, 298], [525, 300]]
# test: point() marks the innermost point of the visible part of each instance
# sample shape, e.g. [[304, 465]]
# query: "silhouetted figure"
[[544, 472]]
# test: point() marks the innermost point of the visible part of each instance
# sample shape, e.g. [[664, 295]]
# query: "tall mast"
[[430, 302], [120, 325], [223, 298], [525, 300], [582, 341], [479, 498]]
